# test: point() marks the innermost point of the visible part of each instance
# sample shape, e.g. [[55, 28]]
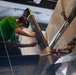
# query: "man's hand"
[[33, 34], [33, 44]]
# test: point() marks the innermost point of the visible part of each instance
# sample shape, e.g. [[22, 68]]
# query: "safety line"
[[7, 52]]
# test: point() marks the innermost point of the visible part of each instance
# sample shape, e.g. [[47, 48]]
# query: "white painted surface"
[[26, 40], [42, 15]]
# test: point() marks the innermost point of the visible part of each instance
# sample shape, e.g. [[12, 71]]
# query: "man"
[[9, 26]]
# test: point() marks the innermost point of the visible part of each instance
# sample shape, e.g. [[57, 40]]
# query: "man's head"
[[23, 22]]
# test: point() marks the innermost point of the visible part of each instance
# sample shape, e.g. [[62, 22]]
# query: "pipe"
[[63, 27]]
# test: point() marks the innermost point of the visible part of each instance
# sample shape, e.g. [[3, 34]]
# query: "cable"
[[7, 52]]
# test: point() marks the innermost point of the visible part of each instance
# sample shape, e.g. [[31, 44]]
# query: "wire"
[[7, 52]]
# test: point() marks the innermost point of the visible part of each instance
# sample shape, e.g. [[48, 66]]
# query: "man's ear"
[[16, 20]]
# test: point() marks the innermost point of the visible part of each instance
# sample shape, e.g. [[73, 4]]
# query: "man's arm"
[[18, 44], [21, 32], [26, 45]]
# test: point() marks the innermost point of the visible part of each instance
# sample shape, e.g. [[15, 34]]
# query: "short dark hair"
[[24, 20]]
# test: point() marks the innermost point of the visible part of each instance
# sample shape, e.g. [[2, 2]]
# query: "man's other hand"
[[33, 34]]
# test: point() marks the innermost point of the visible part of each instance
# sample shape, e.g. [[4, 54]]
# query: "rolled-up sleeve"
[[12, 22]]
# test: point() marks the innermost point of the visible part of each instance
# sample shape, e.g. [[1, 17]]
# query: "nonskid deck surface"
[[21, 65]]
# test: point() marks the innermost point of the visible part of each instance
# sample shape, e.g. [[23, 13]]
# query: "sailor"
[[9, 26]]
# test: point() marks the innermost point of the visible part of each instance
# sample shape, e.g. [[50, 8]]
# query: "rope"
[[7, 52], [63, 9]]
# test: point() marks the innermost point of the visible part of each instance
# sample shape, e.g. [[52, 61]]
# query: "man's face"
[[21, 24]]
